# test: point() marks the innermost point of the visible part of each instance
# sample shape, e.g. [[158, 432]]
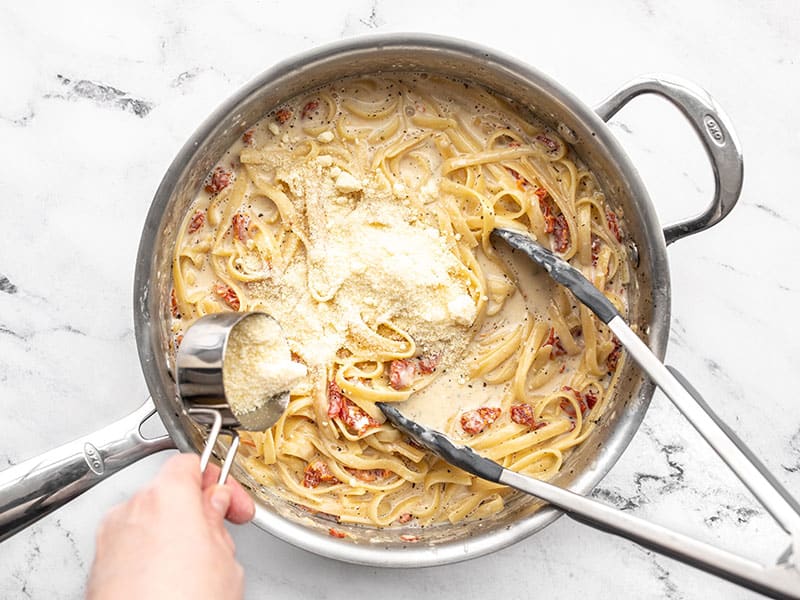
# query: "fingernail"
[[221, 500]]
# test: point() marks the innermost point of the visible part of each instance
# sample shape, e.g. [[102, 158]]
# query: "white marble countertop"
[[96, 99]]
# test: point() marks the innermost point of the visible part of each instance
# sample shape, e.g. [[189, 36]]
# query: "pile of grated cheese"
[[373, 257]]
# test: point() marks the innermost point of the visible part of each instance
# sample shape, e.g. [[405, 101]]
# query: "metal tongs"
[[201, 386], [781, 580]]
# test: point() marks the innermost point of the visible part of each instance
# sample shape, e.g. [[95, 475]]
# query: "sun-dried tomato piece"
[[472, 423], [368, 475], [220, 179], [317, 472], [523, 414], [546, 206], [335, 399], [475, 421], [178, 341], [428, 364], [228, 295], [336, 533], [311, 478], [241, 226], [401, 373], [489, 413], [586, 401], [556, 348], [355, 419], [283, 115], [568, 408], [198, 220], [613, 224], [541, 193], [522, 183], [560, 234], [405, 518], [310, 107], [548, 143], [173, 304], [613, 357], [555, 224], [595, 249], [590, 398]]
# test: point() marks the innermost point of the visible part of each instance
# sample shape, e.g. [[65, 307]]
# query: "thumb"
[[217, 501]]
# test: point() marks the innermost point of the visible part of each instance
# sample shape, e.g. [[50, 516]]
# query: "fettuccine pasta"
[[359, 215]]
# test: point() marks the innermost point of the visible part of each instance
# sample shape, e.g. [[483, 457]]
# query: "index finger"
[[183, 468]]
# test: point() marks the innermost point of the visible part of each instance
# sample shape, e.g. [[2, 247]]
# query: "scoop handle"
[[36, 487]]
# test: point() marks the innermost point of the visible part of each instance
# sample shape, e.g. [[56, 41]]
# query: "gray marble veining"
[[98, 98]]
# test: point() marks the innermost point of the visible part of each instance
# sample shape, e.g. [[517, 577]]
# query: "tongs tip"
[[441, 445]]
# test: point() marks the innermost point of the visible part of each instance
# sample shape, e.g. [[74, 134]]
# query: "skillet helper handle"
[[34, 488], [761, 483], [713, 127]]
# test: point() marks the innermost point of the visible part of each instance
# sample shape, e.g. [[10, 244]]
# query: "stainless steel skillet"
[[31, 489]]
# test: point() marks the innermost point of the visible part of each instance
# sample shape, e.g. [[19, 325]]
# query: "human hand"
[[169, 541]]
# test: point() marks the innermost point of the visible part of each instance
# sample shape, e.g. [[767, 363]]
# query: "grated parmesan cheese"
[[257, 364], [346, 183], [372, 259]]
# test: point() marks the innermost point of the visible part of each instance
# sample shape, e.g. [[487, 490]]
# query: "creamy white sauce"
[[453, 392]]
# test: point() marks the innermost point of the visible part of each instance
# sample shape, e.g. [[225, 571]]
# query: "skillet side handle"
[[34, 488], [713, 127]]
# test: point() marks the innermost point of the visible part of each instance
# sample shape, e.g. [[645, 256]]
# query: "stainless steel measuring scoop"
[[201, 385]]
